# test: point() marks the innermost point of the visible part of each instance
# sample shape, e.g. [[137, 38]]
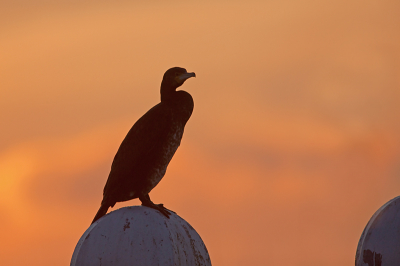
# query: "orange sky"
[[292, 146]]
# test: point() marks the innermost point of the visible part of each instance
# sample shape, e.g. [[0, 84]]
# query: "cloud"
[[293, 142]]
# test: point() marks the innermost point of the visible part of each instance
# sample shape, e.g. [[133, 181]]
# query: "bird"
[[143, 156]]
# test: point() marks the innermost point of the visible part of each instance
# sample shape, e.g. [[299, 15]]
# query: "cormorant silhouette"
[[144, 154]]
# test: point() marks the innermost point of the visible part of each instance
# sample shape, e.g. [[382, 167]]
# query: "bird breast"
[[168, 150]]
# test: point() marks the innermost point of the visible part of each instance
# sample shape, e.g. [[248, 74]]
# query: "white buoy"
[[140, 236], [379, 244]]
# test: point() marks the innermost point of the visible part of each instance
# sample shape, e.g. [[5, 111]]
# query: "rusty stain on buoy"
[[372, 258]]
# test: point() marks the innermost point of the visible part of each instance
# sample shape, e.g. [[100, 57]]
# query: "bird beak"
[[181, 78]]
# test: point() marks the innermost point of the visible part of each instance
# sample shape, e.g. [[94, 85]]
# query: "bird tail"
[[101, 212]]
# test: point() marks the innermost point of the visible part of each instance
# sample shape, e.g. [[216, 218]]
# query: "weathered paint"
[[140, 236], [379, 243]]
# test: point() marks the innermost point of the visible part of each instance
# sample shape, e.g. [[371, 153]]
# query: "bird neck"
[[180, 103], [167, 92]]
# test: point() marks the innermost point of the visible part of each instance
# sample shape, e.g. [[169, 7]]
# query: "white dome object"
[[140, 236], [380, 241]]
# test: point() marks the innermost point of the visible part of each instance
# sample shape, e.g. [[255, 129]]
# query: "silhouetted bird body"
[[144, 154]]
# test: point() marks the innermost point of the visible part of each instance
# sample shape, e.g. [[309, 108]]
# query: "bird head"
[[175, 77]]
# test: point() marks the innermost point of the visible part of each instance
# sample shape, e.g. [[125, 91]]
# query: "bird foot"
[[146, 201], [162, 206], [159, 207]]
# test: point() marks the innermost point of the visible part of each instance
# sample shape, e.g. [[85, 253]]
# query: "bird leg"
[[146, 201]]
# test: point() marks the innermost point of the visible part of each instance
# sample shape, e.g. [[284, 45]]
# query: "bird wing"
[[140, 143]]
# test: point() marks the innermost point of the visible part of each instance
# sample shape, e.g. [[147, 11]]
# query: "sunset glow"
[[292, 146]]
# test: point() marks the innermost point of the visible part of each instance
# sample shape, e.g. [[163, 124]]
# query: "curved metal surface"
[[379, 243], [138, 236]]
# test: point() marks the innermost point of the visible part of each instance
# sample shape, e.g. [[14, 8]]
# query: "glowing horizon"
[[292, 146]]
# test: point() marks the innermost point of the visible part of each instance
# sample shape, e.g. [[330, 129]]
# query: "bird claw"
[[160, 207], [167, 210]]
